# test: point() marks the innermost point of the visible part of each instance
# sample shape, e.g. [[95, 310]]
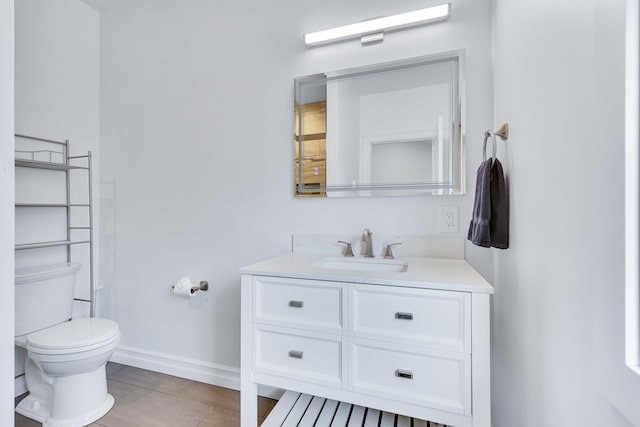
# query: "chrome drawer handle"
[[295, 354], [296, 304], [404, 316], [404, 373]]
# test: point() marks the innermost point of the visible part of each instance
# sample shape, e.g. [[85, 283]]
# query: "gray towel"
[[490, 222], [499, 223], [479, 231]]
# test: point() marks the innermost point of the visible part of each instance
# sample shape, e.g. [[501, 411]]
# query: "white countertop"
[[431, 273]]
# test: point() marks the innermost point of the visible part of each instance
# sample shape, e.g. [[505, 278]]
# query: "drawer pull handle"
[[404, 316], [404, 373], [295, 354], [296, 304]]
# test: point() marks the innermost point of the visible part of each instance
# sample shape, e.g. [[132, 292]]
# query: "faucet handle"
[[387, 252], [347, 250]]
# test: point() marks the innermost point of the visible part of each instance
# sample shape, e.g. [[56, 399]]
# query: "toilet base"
[[84, 419], [65, 401], [39, 411], [33, 408]]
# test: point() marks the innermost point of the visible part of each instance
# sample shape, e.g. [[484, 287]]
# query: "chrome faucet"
[[365, 248]]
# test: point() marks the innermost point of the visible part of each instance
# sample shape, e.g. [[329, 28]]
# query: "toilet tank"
[[44, 296]]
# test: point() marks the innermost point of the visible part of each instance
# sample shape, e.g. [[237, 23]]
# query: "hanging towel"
[[479, 231], [499, 223], [490, 222]]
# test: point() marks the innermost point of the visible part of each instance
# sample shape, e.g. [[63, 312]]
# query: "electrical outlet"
[[448, 219]]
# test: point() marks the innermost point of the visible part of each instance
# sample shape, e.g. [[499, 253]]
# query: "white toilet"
[[65, 366]]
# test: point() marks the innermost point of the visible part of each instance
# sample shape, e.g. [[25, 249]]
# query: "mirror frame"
[[458, 162]]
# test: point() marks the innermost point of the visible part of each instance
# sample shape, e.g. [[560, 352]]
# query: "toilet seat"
[[75, 336]]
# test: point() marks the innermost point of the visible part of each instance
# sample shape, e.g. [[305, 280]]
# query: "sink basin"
[[363, 264]]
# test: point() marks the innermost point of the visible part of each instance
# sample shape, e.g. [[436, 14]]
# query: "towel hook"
[[503, 133], [488, 134]]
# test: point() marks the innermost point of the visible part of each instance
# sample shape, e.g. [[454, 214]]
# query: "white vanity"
[[412, 342]]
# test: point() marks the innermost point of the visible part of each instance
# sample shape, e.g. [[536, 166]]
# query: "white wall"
[[6, 212], [558, 309], [196, 153], [56, 97]]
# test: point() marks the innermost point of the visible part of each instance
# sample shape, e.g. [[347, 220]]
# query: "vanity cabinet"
[[411, 344], [411, 350], [298, 330]]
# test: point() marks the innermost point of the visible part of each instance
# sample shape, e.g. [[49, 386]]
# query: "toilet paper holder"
[[203, 286]]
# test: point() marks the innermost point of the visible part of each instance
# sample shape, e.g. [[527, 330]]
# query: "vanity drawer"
[[433, 318], [307, 304], [434, 378], [299, 355]]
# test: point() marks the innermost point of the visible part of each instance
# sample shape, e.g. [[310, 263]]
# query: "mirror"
[[385, 129]]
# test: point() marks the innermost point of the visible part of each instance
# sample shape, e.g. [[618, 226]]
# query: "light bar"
[[416, 17]]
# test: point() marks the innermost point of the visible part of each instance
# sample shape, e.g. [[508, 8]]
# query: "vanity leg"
[[248, 389], [249, 406], [481, 360]]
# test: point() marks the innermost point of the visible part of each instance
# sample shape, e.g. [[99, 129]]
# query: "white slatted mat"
[[303, 410], [328, 411], [342, 415]]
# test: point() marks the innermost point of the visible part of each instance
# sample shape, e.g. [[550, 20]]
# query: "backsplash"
[[412, 246]]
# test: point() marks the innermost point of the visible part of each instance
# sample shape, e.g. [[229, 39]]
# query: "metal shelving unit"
[[65, 166]]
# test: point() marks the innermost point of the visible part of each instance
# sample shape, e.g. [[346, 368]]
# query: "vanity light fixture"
[[374, 27]]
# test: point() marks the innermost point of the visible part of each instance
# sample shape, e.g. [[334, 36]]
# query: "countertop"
[[427, 273]]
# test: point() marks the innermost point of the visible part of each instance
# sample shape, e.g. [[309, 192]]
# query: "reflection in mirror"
[[386, 129]]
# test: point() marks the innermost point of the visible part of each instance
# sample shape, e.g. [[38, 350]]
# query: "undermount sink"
[[363, 264]]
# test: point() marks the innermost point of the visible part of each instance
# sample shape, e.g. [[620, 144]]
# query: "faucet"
[[365, 249]]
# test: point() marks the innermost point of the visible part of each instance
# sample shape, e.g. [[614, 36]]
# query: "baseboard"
[[20, 386], [197, 370]]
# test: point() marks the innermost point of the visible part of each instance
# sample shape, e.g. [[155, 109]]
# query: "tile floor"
[[149, 399]]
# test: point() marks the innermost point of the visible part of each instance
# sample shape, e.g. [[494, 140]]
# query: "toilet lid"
[[74, 334]]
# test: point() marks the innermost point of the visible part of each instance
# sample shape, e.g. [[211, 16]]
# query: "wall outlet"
[[448, 219]]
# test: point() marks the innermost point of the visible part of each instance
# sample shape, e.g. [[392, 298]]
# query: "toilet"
[[66, 359]]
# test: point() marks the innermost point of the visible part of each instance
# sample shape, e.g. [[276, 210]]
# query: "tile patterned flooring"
[[150, 399]]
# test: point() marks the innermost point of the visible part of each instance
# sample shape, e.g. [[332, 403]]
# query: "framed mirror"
[[385, 129]]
